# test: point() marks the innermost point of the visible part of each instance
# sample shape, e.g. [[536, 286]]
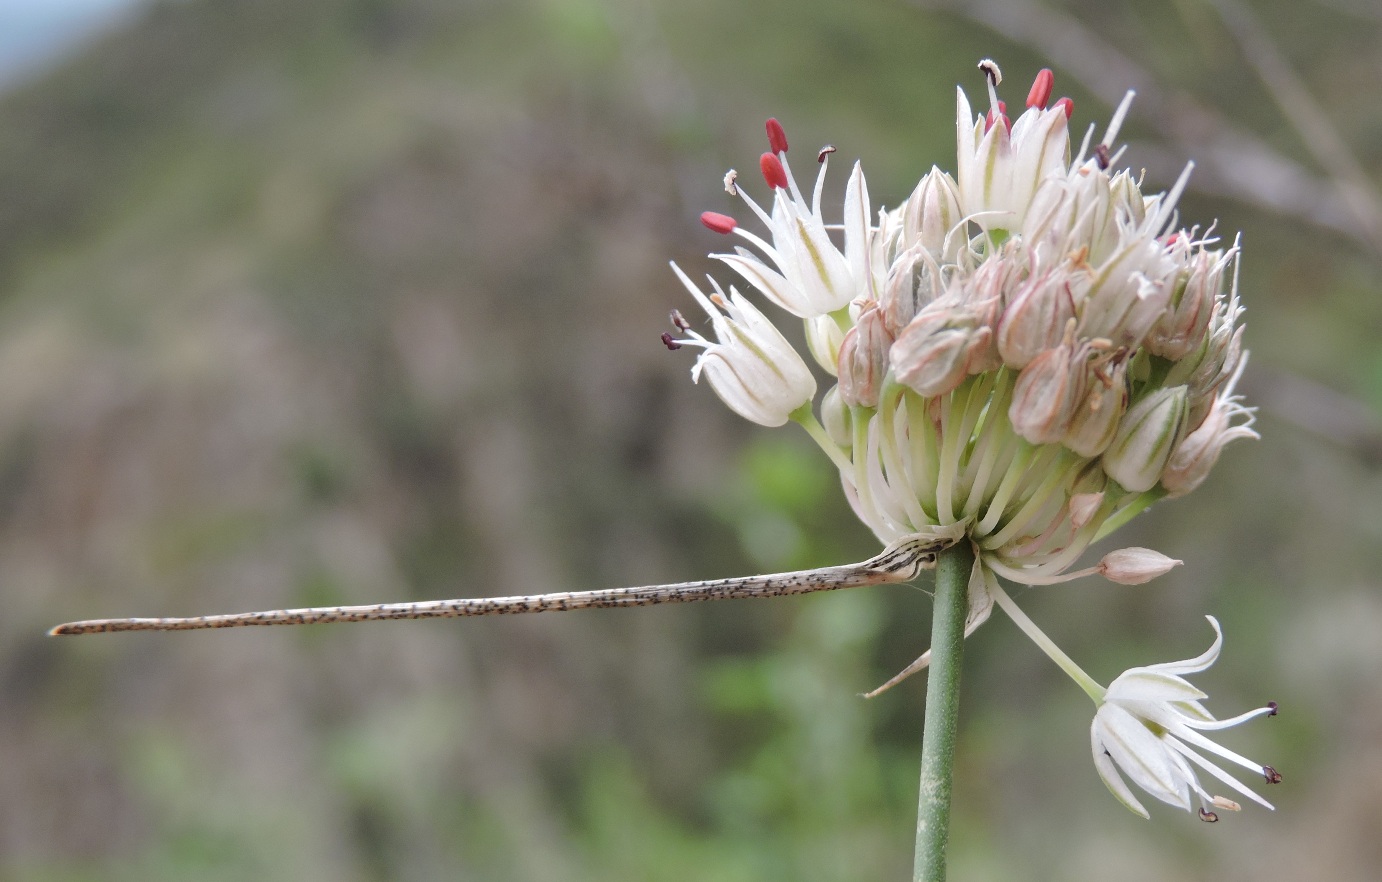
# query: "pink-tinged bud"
[[1183, 325], [1036, 319], [773, 172], [720, 223], [1046, 394], [777, 138], [1083, 508], [1067, 105], [1041, 88], [1148, 433], [864, 359], [913, 281], [1134, 566], [931, 353], [1096, 418], [932, 212], [1197, 454]]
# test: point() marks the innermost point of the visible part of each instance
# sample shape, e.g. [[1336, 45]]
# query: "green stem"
[[1090, 686], [953, 570]]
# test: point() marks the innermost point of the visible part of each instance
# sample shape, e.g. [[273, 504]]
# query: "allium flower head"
[[1149, 727], [1034, 348]]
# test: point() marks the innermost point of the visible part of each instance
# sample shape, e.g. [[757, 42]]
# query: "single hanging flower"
[[1149, 726]]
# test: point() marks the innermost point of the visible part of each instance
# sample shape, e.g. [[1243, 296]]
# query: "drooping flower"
[[1149, 728]]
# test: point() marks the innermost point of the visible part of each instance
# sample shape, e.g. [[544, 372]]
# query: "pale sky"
[[36, 33]]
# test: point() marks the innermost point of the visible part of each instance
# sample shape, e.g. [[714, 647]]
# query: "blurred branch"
[[1231, 161], [1317, 410], [1319, 134]]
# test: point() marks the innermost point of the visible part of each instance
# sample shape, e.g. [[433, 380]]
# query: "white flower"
[[805, 273], [1149, 728], [752, 368]]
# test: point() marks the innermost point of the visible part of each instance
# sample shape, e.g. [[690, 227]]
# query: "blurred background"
[[347, 301]]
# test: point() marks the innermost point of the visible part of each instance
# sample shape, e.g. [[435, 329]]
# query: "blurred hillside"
[[343, 301]]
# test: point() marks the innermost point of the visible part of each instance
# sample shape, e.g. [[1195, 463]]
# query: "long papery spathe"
[[902, 561]]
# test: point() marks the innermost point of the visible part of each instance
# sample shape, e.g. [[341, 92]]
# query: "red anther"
[[824, 152], [1068, 105], [773, 172], [1041, 89], [720, 223], [777, 138], [1274, 708], [669, 342], [679, 321], [1271, 774], [1207, 816], [1003, 112], [1170, 240]]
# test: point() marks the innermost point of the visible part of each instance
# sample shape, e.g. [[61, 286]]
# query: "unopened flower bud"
[[1148, 433], [931, 353], [913, 282], [1096, 417], [863, 358], [1083, 508], [837, 419], [823, 339], [931, 213], [1134, 566], [1036, 319], [1182, 327], [1046, 394], [1195, 456]]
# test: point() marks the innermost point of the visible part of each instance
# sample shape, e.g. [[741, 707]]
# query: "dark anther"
[[1208, 817], [1272, 775], [1273, 706], [991, 71], [1101, 155], [825, 151], [669, 342], [679, 321]]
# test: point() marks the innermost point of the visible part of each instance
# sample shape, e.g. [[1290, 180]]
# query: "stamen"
[[773, 172], [1069, 106], [732, 182], [679, 321], [1118, 115], [992, 77], [1041, 88], [991, 71], [825, 151], [1271, 774], [777, 138], [720, 223], [671, 344], [1208, 817], [1002, 114], [1273, 706], [1101, 156]]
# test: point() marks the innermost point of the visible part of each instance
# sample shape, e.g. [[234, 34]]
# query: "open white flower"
[[1148, 727], [752, 367]]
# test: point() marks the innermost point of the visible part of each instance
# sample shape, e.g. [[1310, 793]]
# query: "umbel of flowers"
[[1032, 351]]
